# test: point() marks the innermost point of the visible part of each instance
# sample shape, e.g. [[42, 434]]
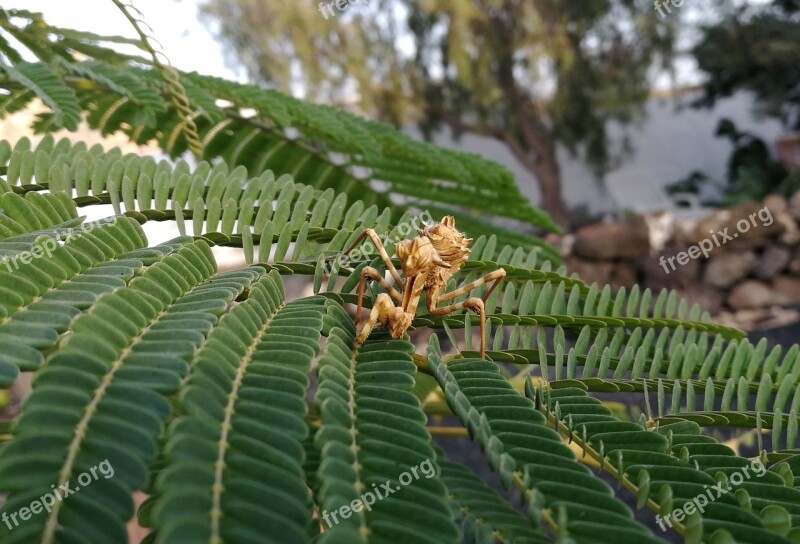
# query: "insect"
[[427, 262]]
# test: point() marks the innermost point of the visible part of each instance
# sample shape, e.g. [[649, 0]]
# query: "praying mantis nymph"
[[427, 262]]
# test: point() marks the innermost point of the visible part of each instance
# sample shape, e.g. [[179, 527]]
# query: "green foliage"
[[465, 55], [483, 514], [755, 47], [196, 386], [531, 456], [234, 465], [243, 410], [45, 83], [249, 126], [372, 428]]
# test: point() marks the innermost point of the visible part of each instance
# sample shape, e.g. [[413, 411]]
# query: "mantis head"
[[417, 256], [447, 240]]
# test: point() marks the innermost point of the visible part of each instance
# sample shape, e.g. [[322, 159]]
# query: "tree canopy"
[[532, 75], [756, 47]]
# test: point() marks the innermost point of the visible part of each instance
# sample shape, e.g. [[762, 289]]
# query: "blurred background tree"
[[754, 47], [531, 74]]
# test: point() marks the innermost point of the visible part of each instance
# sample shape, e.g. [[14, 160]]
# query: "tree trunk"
[[548, 174], [531, 141], [538, 155], [535, 150]]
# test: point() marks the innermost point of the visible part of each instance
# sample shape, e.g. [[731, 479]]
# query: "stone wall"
[[742, 261]]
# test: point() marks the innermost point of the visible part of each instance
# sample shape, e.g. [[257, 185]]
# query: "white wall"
[[671, 142]]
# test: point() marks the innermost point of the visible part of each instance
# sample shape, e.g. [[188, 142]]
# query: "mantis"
[[427, 261]]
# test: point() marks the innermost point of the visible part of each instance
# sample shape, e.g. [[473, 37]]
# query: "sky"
[[188, 43]]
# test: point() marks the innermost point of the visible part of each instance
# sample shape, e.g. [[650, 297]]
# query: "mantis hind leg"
[[474, 304], [496, 276]]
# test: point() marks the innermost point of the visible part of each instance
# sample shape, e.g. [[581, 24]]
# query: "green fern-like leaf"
[[45, 83], [374, 447], [240, 406], [234, 471]]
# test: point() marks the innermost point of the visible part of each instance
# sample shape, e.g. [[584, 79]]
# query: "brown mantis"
[[427, 261]]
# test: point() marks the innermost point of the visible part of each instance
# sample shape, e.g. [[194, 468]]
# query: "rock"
[[791, 234], [564, 242], [711, 224], [661, 229], [725, 269], [598, 272], [750, 294], [761, 219], [787, 290], [624, 274], [754, 319], [779, 317], [658, 277], [683, 233], [794, 206], [748, 225], [772, 262], [554, 239], [606, 241], [776, 203], [709, 299]]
